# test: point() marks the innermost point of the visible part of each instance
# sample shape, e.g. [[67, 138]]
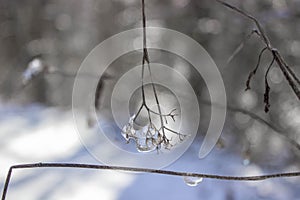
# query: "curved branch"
[[252, 73]]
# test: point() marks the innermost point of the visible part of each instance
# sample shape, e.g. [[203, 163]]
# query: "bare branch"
[[146, 170], [293, 74], [258, 25], [282, 64], [287, 72]]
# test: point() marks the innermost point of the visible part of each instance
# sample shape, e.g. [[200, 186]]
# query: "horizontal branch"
[[146, 170]]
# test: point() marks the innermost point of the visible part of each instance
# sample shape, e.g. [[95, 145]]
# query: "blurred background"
[[36, 121]]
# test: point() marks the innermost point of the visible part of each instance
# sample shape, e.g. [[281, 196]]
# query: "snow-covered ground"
[[38, 134]]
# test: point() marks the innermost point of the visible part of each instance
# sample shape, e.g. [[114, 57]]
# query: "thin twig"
[[252, 73], [146, 59], [241, 45], [146, 170], [267, 88], [256, 117]]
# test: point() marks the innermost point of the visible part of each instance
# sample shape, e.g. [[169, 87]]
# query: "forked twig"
[[289, 75], [155, 136], [145, 170]]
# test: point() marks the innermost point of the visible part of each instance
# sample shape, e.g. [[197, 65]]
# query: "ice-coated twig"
[[150, 136]]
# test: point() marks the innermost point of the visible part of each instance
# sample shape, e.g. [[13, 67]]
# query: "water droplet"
[[192, 181], [246, 161], [246, 157]]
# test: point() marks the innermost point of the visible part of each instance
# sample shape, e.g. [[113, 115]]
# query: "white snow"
[[38, 134]]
